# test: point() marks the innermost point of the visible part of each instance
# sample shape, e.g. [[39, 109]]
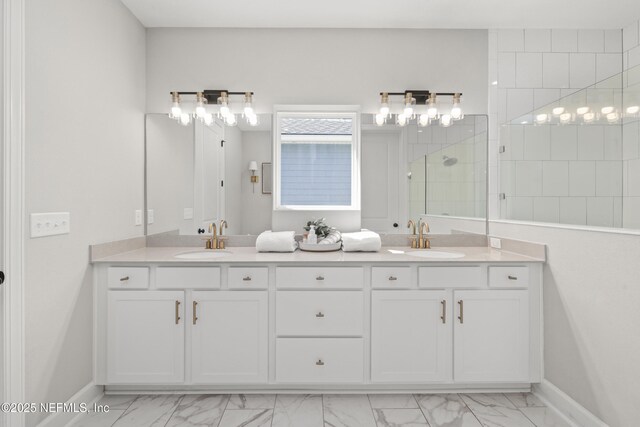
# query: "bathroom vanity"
[[318, 321]]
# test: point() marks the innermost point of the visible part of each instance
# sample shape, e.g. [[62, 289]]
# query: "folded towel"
[[279, 241], [362, 241], [334, 236]]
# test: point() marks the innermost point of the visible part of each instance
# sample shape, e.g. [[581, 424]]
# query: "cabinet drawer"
[[188, 277], [248, 278], [320, 277], [391, 277], [319, 313], [319, 360], [450, 277], [508, 277], [128, 277]]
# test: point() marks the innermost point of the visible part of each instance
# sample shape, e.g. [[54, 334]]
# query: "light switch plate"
[[50, 224], [495, 243], [138, 217], [150, 218], [188, 213]]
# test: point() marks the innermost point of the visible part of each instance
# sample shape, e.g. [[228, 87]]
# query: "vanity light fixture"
[[613, 117], [581, 111], [634, 109], [565, 118], [607, 110], [212, 102], [558, 111], [420, 105], [589, 117], [253, 166], [542, 118]]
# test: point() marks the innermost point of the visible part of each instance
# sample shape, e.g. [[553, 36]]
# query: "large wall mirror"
[[197, 174]]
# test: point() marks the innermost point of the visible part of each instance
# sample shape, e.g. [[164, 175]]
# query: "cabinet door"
[[229, 337], [410, 336], [491, 336], [145, 337]]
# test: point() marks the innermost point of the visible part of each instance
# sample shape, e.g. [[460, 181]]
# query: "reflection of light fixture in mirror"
[[409, 102], [565, 118], [634, 109], [230, 119], [401, 120], [200, 101], [582, 111], [176, 111], [380, 119], [589, 117], [607, 110], [432, 109], [613, 117], [253, 167], [445, 120], [424, 120], [558, 111], [185, 119], [541, 118], [384, 105], [456, 110], [208, 119]]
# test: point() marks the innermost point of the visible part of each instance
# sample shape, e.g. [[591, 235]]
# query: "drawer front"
[[451, 277], [248, 278], [319, 313], [391, 277], [188, 278], [320, 277], [508, 277], [128, 277], [319, 360]]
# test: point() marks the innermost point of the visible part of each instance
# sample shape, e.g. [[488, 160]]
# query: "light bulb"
[[384, 104], [456, 110], [223, 101], [253, 120], [588, 117], [176, 111], [380, 119], [224, 110], [401, 120], [613, 117], [445, 120], [541, 118], [565, 118], [208, 119], [558, 111], [185, 119], [607, 110], [200, 110], [230, 119], [424, 120], [432, 110], [582, 110], [248, 108], [634, 109], [408, 105]]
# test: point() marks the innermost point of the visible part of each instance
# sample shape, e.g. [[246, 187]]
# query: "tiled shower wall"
[[631, 131], [549, 173]]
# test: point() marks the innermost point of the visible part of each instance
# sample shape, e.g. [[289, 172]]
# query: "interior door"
[[380, 180]]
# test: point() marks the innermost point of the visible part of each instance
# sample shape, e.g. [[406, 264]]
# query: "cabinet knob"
[[392, 278], [512, 277], [320, 278], [247, 278], [320, 314], [320, 362], [124, 279]]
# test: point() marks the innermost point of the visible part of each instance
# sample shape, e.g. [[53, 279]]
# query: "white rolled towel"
[[362, 241], [278, 241]]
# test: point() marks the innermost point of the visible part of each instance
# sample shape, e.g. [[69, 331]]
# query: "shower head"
[[449, 161]]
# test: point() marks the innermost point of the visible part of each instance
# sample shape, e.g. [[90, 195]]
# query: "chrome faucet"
[[412, 225], [423, 242]]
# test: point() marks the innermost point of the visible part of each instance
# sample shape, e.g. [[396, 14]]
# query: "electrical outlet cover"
[[138, 217], [495, 243]]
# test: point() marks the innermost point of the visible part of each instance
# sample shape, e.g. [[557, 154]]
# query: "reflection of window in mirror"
[[317, 156]]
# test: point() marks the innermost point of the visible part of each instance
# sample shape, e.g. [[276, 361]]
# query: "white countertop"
[[249, 255]]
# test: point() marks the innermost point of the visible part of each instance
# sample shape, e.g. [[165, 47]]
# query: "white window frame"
[[351, 112]]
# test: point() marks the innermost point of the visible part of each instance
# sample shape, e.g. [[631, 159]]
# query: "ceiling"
[[414, 14]]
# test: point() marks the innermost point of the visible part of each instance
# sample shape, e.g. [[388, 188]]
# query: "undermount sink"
[[202, 255], [435, 254]]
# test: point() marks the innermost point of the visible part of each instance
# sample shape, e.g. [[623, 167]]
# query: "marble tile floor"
[[298, 410]]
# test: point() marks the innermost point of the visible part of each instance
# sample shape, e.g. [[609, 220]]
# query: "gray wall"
[[85, 102], [256, 207]]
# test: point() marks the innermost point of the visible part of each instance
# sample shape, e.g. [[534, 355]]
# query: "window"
[[317, 161]]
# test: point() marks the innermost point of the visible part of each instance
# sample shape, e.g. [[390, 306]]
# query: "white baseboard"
[[572, 410], [88, 394]]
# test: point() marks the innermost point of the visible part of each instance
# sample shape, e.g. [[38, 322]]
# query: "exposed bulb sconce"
[[384, 105], [432, 108], [253, 167], [420, 105], [212, 102], [409, 102], [456, 109]]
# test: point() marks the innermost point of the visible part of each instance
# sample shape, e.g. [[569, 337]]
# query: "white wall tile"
[[514, 143], [600, 211], [493, 44], [555, 70], [582, 179], [529, 70], [631, 138], [555, 178], [573, 210], [542, 97], [564, 40], [520, 208], [609, 178], [613, 41], [630, 36], [546, 209], [612, 142], [537, 143], [537, 40], [582, 69], [564, 142], [528, 178], [519, 102], [607, 65], [633, 178], [506, 69], [631, 212], [502, 106], [590, 41], [590, 143], [634, 57], [510, 40]]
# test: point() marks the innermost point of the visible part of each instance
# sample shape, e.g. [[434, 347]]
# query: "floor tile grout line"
[[174, 409], [273, 410], [530, 420], [226, 405], [125, 411], [422, 410], [373, 412], [470, 409], [323, 419]]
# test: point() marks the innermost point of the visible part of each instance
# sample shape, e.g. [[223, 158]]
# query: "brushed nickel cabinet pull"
[[392, 278], [247, 278], [177, 312], [320, 278], [443, 317], [512, 277], [195, 314], [461, 317], [320, 314], [320, 362], [124, 279]]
